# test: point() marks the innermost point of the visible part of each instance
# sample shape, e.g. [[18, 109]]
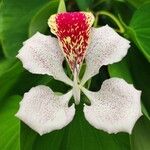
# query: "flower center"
[[72, 30]]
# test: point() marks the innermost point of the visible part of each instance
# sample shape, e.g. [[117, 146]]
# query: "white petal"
[[44, 111], [41, 54], [106, 47], [115, 108]]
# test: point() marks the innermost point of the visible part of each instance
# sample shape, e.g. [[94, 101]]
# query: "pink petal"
[[72, 30]]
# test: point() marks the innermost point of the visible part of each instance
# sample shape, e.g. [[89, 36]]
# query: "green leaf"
[[121, 8], [9, 77], [9, 124], [1, 51], [121, 70], [39, 21], [84, 4], [16, 81], [141, 73], [139, 29], [31, 140], [5, 65], [27, 137], [145, 112], [62, 6], [82, 136], [28, 80], [16, 16], [0, 18], [137, 3], [141, 135]]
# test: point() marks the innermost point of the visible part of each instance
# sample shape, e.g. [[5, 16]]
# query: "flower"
[[116, 107]]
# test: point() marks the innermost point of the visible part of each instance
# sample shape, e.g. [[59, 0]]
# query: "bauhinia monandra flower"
[[114, 108]]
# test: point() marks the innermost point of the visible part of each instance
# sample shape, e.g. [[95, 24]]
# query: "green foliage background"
[[20, 19]]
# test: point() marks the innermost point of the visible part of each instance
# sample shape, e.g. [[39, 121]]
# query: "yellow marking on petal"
[[52, 23], [67, 39], [90, 18]]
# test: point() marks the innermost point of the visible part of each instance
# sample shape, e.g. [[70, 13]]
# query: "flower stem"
[[114, 18]]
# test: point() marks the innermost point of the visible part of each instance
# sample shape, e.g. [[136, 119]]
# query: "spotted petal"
[[116, 107], [41, 54], [106, 47], [72, 30], [43, 111]]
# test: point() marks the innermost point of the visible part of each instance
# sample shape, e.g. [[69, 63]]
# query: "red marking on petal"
[[72, 30]]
